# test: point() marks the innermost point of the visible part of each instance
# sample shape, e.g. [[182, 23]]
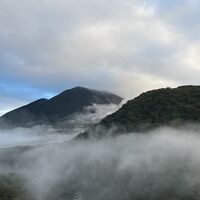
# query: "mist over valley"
[[100, 100], [82, 157]]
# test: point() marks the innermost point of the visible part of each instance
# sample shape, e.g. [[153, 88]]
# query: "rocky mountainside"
[[50, 111], [152, 109]]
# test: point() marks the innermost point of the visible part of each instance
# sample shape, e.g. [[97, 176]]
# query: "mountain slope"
[[166, 106], [53, 110]]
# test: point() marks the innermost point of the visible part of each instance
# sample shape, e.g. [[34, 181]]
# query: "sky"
[[123, 46]]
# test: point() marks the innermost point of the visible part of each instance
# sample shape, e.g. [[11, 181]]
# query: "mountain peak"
[[60, 106], [84, 89], [79, 88]]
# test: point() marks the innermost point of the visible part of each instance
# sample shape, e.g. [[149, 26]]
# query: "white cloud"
[[49, 44]]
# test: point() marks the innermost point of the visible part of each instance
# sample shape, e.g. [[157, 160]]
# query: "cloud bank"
[[125, 46], [161, 165], [61, 132]]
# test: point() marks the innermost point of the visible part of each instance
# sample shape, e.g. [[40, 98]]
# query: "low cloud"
[[64, 130], [159, 165]]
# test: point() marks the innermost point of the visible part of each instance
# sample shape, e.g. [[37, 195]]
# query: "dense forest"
[[162, 107]]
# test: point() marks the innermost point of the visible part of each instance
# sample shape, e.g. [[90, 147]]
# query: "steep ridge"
[[44, 111]]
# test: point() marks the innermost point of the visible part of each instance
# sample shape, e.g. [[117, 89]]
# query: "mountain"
[[152, 109], [51, 111]]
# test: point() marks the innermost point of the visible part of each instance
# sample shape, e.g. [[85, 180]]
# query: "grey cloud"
[[48, 43], [164, 163], [62, 131]]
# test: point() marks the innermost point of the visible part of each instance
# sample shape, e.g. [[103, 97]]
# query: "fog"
[[51, 165], [163, 164], [61, 132]]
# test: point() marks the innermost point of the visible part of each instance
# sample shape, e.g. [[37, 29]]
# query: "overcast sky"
[[123, 46]]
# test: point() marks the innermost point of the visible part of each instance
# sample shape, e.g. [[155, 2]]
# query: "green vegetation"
[[157, 108], [162, 107], [12, 188]]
